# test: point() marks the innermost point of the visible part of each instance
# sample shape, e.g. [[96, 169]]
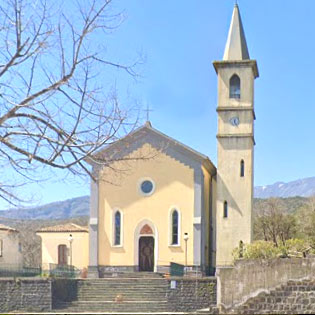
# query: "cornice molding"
[[237, 135], [236, 109], [237, 63]]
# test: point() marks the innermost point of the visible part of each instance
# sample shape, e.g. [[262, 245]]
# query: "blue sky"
[[180, 39], [183, 38]]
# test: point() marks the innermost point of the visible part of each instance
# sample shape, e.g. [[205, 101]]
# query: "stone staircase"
[[294, 297], [145, 293]]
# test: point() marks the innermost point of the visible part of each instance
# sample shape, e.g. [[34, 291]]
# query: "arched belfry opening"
[[235, 87]]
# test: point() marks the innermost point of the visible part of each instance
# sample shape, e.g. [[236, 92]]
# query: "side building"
[[11, 256], [64, 245]]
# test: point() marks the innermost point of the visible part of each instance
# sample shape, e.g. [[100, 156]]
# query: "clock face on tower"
[[235, 121]]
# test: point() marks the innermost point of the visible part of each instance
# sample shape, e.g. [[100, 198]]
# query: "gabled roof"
[[148, 134], [68, 227], [236, 46], [7, 228]]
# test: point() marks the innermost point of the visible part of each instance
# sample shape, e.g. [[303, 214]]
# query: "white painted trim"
[[114, 210], [137, 236], [170, 212], [197, 220], [140, 181], [93, 221]]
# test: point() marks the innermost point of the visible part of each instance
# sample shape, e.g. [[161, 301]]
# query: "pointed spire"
[[236, 47]]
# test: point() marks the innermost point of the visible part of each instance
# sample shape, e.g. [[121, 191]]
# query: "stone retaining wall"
[[192, 294], [248, 278], [27, 295], [296, 297]]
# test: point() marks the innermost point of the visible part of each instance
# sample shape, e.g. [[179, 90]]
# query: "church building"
[[158, 201]]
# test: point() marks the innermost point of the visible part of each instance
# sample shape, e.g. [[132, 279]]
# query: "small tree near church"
[[55, 111], [272, 224]]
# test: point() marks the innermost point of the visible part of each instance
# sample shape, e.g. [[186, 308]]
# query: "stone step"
[[112, 296], [125, 285], [141, 274], [124, 298], [113, 285], [104, 290], [131, 289], [110, 281], [128, 290], [124, 280], [101, 306], [125, 293]]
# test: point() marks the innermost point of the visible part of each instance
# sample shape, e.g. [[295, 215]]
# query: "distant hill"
[[70, 208], [302, 187], [78, 207], [290, 205]]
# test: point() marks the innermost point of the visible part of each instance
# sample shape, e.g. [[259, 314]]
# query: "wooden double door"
[[146, 253], [62, 255]]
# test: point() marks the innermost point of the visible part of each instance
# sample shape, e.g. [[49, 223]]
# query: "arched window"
[[225, 209], [175, 227], [235, 87], [242, 168], [117, 228]]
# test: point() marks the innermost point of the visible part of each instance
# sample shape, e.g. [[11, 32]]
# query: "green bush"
[[257, 249], [294, 247], [268, 250]]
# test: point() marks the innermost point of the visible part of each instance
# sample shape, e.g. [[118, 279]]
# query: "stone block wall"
[[248, 278], [27, 295], [191, 294], [295, 297]]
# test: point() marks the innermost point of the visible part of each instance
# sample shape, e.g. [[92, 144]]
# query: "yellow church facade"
[[158, 201], [149, 203]]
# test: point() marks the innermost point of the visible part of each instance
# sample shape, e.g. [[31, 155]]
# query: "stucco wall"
[[174, 188], [249, 278], [11, 255], [235, 143], [80, 248]]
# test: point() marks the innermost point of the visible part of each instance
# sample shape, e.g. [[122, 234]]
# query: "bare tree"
[[306, 219], [272, 223], [53, 108], [312, 203]]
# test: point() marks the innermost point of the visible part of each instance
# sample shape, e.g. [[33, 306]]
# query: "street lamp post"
[[70, 239], [186, 237]]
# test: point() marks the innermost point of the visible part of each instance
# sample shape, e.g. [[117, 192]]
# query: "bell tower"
[[235, 143]]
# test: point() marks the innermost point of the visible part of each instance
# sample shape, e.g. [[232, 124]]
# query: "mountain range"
[[79, 207], [70, 208], [302, 187]]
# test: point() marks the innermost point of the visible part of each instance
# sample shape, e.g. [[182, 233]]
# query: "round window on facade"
[[146, 187]]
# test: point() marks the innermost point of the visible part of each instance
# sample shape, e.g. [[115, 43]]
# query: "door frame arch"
[[137, 236]]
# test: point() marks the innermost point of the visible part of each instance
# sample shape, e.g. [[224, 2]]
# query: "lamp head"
[[70, 238]]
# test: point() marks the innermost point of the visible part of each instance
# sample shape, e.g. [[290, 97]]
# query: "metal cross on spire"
[[148, 110]]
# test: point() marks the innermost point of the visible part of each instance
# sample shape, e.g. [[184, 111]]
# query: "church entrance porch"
[[146, 253]]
